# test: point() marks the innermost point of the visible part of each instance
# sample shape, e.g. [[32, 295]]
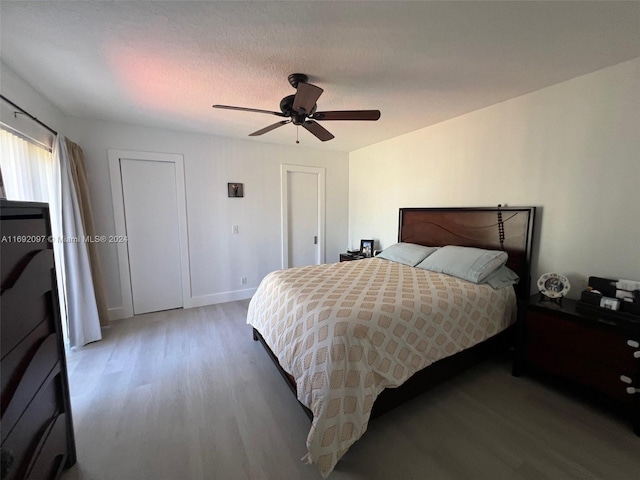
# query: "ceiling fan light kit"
[[301, 109]]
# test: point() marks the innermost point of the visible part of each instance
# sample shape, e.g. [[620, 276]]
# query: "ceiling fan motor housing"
[[286, 107]]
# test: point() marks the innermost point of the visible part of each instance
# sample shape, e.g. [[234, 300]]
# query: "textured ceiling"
[[164, 63]]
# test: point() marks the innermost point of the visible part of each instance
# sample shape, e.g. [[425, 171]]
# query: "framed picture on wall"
[[235, 190], [366, 248]]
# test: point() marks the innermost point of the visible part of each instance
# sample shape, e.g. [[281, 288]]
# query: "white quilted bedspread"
[[346, 331]]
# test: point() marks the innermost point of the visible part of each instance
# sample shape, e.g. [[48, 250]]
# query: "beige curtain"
[[79, 177]]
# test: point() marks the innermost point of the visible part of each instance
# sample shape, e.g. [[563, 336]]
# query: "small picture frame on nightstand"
[[366, 248]]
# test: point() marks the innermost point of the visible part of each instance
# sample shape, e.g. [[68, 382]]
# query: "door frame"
[[319, 172], [126, 310]]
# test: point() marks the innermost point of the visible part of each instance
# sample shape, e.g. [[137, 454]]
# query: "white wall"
[[16, 89], [218, 260], [572, 149]]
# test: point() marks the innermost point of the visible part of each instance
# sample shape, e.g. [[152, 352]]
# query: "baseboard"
[[118, 313], [222, 297]]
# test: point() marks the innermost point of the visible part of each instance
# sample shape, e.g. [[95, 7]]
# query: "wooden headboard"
[[497, 228]]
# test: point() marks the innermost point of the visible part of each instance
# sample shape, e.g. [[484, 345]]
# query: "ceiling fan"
[[301, 109]]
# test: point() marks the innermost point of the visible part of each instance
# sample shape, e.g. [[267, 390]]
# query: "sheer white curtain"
[[30, 174]]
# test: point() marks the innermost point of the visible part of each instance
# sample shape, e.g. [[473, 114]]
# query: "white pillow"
[[469, 263], [406, 253], [502, 277]]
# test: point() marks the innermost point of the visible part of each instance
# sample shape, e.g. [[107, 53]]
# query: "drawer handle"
[[626, 379], [636, 354], [633, 343], [632, 390]]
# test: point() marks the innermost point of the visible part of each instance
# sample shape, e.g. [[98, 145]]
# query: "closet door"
[[151, 220], [303, 219], [303, 205]]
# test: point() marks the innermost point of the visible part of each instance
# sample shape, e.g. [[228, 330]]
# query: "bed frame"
[[502, 228]]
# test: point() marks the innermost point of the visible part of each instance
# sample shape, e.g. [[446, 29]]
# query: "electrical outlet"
[[234, 229], [243, 280]]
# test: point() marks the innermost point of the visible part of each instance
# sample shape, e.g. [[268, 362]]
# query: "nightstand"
[[600, 354], [347, 257]]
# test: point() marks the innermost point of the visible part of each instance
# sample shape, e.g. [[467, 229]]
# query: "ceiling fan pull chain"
[[297, 130]]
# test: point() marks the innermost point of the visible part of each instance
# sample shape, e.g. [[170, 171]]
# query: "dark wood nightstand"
[[347, 257], [600, 354]]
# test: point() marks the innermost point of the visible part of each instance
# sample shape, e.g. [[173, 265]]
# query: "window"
[[30, 173]]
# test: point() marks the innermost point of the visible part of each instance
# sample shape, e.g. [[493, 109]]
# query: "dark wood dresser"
[[37, 428], [601, 354]]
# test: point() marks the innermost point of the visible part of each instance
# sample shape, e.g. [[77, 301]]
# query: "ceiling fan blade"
[[306, 97], [347, 115], [243, 109], [269, 128], [318, 130]]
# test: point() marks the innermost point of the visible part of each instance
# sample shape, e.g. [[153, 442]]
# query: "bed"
[[355, 339]]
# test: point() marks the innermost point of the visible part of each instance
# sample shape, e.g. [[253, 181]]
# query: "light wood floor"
[[188, 395]]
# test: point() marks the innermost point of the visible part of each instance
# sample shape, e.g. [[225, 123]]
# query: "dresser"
[[601, 354], [37, 428]]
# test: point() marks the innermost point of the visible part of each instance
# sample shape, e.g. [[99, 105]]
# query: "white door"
[[303, 219], [152, 227], [302, 216]]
